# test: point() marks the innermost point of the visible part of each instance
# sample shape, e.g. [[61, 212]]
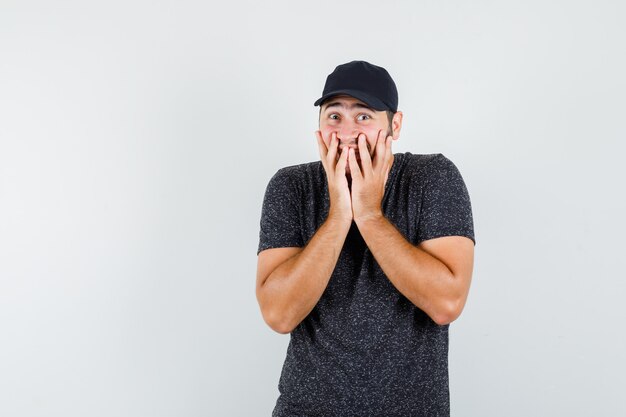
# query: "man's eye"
[[334, 116], [363, 117]]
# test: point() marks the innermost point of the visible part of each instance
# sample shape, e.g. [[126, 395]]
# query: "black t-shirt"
[[365, 349]]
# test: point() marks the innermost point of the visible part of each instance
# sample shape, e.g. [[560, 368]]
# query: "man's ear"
[[396, 125]]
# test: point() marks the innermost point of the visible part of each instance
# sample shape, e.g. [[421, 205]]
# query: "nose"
[[347, 134]]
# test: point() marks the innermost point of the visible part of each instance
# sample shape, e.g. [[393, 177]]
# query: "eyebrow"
[[353, 105]]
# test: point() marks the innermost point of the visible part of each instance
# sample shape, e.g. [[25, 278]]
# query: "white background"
[[136, 141]]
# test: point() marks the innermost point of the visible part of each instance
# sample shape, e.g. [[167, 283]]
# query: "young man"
[[364, 257]]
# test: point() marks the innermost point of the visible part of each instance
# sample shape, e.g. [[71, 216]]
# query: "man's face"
[[348, 117]]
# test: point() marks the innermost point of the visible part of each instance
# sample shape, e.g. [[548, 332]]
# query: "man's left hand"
[[368, 181]]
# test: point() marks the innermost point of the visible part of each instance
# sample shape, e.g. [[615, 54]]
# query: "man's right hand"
[[338, 190]]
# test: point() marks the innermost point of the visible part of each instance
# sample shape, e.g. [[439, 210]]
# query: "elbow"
[[273, 317], [448, 312], [443, 319], [280, 327], [277, 322]]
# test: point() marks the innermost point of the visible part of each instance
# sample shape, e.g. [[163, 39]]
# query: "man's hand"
[[338, 190], [368, 182]]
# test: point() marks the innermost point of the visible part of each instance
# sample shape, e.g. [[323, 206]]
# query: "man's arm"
[[290, 281], [435, 275]]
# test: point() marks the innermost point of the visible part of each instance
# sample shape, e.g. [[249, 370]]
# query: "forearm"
[[423, 279], [293, 289]]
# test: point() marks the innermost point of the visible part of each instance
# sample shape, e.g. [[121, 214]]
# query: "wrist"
[[369, 218], [338, 219]]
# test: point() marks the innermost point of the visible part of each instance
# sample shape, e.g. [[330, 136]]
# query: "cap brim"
[[371, 101]]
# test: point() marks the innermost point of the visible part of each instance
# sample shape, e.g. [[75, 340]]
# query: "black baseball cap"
[[367, 82]]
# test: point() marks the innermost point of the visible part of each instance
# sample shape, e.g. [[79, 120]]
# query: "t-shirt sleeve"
[[446, 209], [280, 220]]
